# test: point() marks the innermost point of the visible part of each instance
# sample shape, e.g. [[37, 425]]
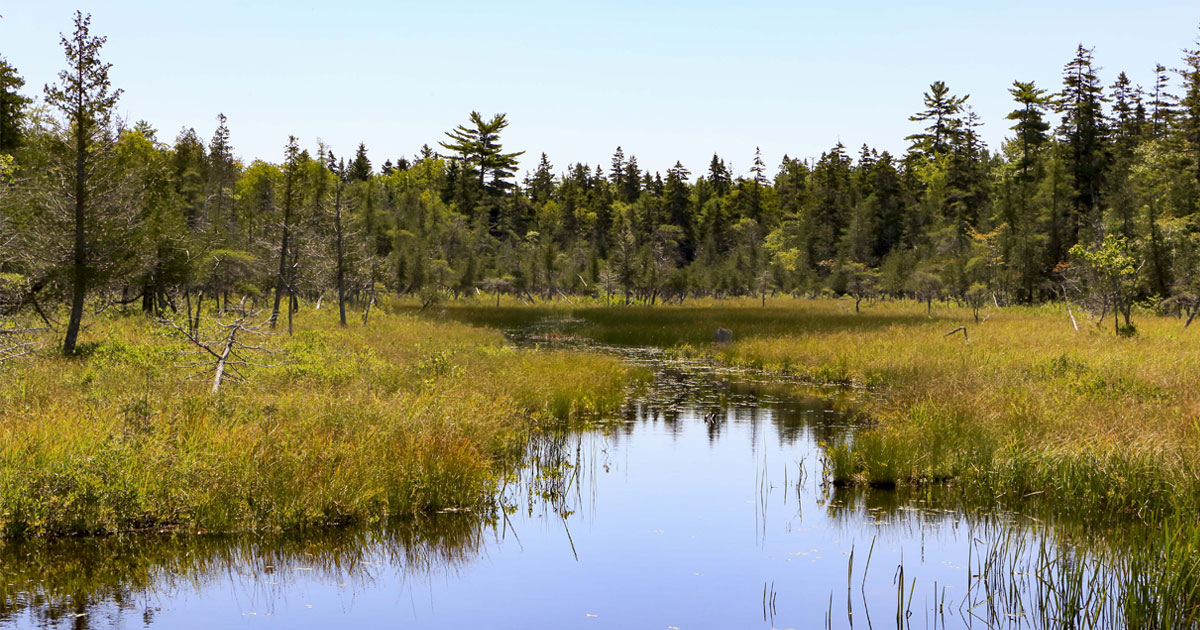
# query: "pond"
[[703, 505]]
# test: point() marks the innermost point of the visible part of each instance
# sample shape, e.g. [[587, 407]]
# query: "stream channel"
[[702, 505]]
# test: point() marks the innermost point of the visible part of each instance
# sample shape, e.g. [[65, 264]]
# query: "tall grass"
[[401, 416]]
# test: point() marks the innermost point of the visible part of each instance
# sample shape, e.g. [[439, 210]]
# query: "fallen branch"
[[964, 332], [14, 343]]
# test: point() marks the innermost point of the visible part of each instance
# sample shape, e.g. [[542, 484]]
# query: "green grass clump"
[[357, 424]]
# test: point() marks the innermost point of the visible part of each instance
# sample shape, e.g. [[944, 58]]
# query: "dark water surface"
[[702, 506]]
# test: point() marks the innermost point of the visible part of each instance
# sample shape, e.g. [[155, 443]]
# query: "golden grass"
[[355, 424]]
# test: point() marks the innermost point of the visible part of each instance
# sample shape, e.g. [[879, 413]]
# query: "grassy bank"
[[1026, 406], [357, 424]]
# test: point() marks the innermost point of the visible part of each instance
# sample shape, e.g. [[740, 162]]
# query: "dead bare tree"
[[222, 355]]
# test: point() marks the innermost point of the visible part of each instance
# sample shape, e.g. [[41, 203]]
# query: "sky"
[[666, 81]]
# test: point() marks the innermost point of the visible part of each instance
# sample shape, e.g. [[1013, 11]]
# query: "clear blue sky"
[[666, 80]]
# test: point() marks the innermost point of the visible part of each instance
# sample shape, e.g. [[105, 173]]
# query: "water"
[[702, 506]]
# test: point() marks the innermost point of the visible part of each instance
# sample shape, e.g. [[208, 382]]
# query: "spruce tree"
[[1189, 106], [12, 107], [85, 98], [360, 168], [1126, 107], [1084, 133], [617, 173], [1161, 103], [633, 180], [719, 176], [541, 185], [222, 172]]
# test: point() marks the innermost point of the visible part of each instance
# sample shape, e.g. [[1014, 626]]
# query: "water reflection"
[[702, 505]]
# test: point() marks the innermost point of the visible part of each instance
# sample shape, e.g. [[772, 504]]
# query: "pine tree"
[[1084, 133], [759, 169], [222, 171], [752, 206], [719, 176], [360, 168], [941, 111], [12, 107], [191, 165], [85, 98], [678, 205], [1127, 122], [616, 175], [633, 181], [541, 185], [1162, 103], [479, 149], [1029, 124], [1189, 105]]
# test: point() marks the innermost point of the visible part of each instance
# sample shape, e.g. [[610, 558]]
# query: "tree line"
[[1093, 198]]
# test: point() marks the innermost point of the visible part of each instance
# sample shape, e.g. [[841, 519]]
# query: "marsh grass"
[[358, 424], [1027, 405]]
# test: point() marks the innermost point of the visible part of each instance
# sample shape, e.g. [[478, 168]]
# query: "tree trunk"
[[79, 266], [341, 258], [281, 281], [199, 305]]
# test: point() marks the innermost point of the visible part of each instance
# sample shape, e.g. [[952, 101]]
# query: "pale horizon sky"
[[665, 80]]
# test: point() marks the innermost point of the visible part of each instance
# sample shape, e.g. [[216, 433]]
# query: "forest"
[[1093, 199]]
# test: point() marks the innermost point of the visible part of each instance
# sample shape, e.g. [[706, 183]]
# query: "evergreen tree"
[[616, 175], [1084, 132], [1127, 123], [719, 175], [86, 100], [190, 165], [479, 149], [1029, 124], [1189, 105], [1020, 246], [678, 206], [12, 107], [633, 181], [360, 168], [1162, 103], [222, 172], [941, 112], [541, 185]]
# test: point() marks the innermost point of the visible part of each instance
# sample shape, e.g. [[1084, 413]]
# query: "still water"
[[702, 506]]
